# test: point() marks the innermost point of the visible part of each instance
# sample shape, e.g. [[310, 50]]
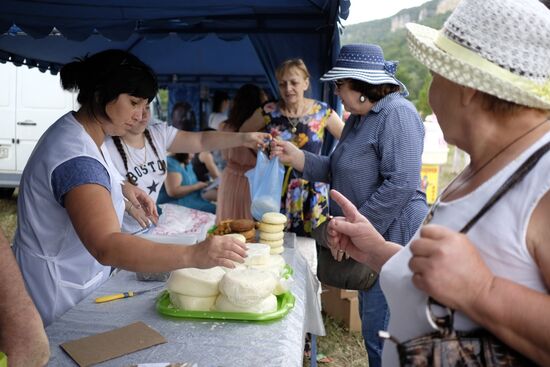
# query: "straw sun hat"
[[500, 47], [366, 63]]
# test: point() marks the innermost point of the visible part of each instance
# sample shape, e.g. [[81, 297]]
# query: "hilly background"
[[389, 33]]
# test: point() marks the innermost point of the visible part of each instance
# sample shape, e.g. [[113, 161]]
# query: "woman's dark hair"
[[102, 77], [374, 92], [181, 157], [183, 117], [247, 100], [220, 96]]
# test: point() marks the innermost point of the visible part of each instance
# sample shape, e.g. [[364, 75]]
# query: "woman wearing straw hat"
[[491, 94], [376, 163]]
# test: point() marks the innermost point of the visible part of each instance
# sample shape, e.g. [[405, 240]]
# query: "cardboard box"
[[342, 305]]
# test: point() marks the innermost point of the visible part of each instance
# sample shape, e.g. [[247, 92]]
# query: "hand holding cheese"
[[219, 251]]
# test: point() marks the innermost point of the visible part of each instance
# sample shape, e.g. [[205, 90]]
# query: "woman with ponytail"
[[70, 201]]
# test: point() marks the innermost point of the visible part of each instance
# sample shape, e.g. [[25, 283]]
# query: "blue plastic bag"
[[266, 185]]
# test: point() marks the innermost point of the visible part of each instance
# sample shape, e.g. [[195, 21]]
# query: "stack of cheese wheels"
[[194, 289], [271, 231], [247, 290]]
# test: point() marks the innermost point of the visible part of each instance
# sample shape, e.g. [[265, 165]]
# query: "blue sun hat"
[[364, 62]]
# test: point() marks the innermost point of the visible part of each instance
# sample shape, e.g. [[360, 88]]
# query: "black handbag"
[[345, 274], [447, 347]]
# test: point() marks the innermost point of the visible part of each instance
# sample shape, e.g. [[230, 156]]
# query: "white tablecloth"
[[203, 342]]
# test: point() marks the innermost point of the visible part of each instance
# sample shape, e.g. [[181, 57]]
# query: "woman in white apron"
[[70, 203]]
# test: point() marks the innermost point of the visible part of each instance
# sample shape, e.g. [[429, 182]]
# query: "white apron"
[[57, 268]]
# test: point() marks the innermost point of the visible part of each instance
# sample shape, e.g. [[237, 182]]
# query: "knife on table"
[[113, 297]]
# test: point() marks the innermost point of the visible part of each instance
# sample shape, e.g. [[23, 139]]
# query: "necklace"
[[137, 164], [294, 121], [446, 193]]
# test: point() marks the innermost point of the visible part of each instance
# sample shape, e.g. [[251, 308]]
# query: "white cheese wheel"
[[275, 265], [190, 303], [257, 254], [274, 218], [237, 266], [196, 282], [271, 236], [277, 250], [266, 305], [247, 287]]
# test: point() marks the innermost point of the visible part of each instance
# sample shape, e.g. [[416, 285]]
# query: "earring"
[[362, 99]]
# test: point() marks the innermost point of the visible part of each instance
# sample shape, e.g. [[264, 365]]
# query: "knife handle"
[[113, 297]]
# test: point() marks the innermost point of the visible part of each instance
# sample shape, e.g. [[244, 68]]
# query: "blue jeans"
[[374, 313]]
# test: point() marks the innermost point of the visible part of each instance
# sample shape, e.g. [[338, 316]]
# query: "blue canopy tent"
[[182, 40], [213, 43]]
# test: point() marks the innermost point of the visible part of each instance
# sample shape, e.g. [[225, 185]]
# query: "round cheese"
[[271, 236], [274, 265], [274, 218], [277, 250], [247, 287], [257, 254], [276, 243], [190, 303], [237, 236], [271, 228], [266, 305], [196, 282]]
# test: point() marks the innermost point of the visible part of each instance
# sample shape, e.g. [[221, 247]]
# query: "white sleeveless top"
[[57, 268], [499, 236]]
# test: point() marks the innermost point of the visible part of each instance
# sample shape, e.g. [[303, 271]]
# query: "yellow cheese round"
[[277, 250], [270, 228], [276, 243], [274, 218], [271, 236]]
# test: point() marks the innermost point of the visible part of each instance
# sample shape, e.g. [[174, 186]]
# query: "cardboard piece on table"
[[111, 344]]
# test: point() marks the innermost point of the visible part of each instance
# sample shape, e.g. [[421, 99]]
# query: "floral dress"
[[304, 203]]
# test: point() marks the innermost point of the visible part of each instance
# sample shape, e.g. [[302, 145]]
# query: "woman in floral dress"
[[303, 121]]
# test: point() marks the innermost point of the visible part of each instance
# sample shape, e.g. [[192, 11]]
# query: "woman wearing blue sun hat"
[[376, 164]]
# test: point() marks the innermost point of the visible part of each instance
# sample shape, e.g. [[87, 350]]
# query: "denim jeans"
[[374, 313]]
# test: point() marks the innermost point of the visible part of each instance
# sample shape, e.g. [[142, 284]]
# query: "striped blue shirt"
[[376, 165]]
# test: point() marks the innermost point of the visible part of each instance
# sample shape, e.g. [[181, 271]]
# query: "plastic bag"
[[266, 185]]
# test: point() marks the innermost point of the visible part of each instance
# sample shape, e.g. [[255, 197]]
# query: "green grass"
[[8, 216], [345, 348]]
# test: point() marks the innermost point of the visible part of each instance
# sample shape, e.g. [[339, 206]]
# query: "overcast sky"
[[365, 10]]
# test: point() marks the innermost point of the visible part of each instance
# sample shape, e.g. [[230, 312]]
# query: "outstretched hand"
[[448, 267], [352, 234], [256, 140]]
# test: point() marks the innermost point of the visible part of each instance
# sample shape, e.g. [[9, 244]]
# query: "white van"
[[30, 101]]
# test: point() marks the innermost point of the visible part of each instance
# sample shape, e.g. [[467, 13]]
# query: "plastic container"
[[180, 239]]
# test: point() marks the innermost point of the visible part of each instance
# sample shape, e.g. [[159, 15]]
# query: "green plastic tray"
[[285, 303]]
